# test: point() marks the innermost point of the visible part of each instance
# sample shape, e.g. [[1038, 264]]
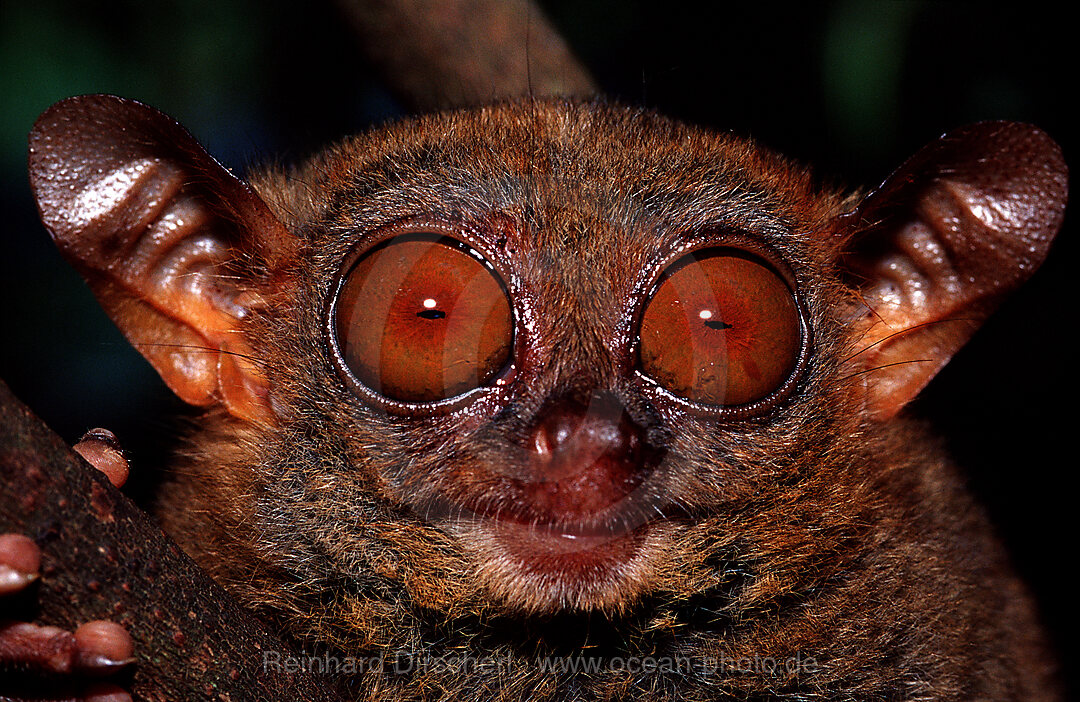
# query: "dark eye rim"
[[757, 408], [460, 235]]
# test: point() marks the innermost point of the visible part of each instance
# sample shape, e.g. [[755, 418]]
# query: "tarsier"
[[607, 404]]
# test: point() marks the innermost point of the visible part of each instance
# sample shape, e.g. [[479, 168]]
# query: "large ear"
[[937, 246], [174, 246]]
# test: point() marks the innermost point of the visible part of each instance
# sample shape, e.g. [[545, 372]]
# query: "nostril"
[[542, 443], [557, 429]]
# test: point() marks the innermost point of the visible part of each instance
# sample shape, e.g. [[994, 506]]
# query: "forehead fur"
[[603, 162]]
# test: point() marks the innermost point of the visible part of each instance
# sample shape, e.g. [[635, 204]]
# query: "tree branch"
[[449, 53], [103, 558]]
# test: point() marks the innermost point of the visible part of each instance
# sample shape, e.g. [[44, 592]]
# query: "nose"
[[585, 456]]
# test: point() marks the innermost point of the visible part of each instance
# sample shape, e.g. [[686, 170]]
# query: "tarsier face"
[[551, 358], [559, 375]]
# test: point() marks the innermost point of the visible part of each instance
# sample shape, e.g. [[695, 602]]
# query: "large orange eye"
[[722, 328], [422, 318]]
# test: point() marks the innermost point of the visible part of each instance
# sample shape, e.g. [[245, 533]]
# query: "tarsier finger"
[[101, 449]]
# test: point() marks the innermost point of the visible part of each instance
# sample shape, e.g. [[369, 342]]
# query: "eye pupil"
[[725, 290], [385, 309]]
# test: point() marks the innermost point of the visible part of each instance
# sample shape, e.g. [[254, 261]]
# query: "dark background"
[[852, 87]]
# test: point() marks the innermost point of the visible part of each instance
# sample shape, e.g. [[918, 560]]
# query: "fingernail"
[[12, 580], [104, 436], [103, 647], [20, 561]]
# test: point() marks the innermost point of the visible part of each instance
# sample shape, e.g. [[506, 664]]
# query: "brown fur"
[[812, 533]]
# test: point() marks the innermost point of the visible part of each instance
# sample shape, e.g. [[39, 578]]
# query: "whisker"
[[207, 349], [886, 365], [904, 331]]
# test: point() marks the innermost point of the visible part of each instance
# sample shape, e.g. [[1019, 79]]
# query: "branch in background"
[[450, 53], [103, 558]]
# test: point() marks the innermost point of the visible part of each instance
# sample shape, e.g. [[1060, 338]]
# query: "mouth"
[[574, 557], [557, 546], [540, 569]]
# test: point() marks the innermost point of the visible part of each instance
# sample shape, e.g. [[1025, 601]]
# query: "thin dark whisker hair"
[[904, 331], [207, 349], [885, 365], [528, 53]]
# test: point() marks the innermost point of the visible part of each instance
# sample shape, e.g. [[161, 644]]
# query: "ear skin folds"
[[153, 223], [937, 246]]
